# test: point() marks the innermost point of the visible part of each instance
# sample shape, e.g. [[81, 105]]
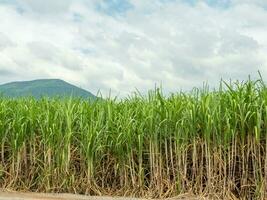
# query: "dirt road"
[[38, 196]]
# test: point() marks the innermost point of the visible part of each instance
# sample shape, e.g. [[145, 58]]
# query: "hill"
[[43, 88]]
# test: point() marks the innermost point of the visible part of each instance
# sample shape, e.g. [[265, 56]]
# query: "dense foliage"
[[204, 142]]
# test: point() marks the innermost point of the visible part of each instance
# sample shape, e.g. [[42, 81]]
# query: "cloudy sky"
[[126, 44]]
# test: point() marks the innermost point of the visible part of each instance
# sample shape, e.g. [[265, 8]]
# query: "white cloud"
[[4, 42], [45, 7], [172, 43]]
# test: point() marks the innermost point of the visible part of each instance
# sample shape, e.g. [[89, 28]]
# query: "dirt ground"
[[39, 196]]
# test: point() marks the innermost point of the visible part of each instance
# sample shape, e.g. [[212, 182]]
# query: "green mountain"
[[43, 88]]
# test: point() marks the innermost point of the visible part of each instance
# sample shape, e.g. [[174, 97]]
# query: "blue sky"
[[122, 45], [112, 7]]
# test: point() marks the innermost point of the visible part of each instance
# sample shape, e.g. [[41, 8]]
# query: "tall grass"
[[203, 142]]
